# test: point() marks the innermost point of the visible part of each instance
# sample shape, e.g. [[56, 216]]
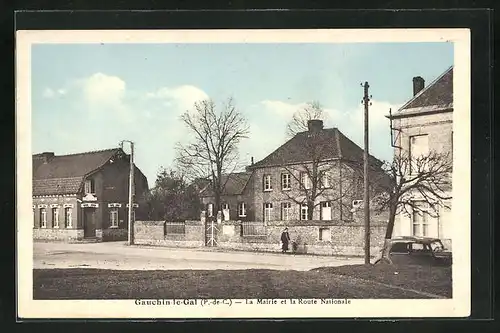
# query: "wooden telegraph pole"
[[130, 193], [366, 199]]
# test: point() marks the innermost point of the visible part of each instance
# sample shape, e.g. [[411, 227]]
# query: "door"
[[88, 222], [326, 211]]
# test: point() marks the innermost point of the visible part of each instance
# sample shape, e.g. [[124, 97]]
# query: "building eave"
[[427, 110]]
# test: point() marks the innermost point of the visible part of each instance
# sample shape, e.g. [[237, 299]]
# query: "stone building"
[[424, 124], [83, 196], [318, 169], [236, 199]]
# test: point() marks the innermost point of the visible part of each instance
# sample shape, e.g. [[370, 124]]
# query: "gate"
[[211, 232]]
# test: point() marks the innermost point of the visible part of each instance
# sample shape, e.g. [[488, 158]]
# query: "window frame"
[[286, 207], [89, 184], [305, 180], [55, 217], [268, 211], [267, 182], [422, 222], [304, 207], [286, 179], [68, 222], [242, 209], [43, 217], [411, 145], [113, 212]]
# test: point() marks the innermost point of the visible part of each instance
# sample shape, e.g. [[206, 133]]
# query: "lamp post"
[[130, 192]]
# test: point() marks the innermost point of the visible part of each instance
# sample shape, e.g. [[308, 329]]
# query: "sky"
[[91, 96]]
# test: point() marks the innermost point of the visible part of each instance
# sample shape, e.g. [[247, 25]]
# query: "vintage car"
[[414, 251]]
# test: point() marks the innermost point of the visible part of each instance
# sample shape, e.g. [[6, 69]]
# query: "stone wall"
[[312, 237], [61, 235], [153, 233], [114, 234]]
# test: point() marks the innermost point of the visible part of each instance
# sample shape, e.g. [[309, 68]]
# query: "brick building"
[[83, 196], [321, 166], [424, 124]]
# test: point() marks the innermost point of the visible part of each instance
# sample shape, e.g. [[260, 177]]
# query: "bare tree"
[[321, 176], [312, 110], [413, 181], [213, 150]]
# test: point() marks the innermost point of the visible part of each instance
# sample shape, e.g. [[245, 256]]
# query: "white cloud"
[[182, 97], [103, 90], [48, 93]]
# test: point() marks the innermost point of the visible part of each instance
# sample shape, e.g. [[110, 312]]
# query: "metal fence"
[[175, 228], [253, 229]]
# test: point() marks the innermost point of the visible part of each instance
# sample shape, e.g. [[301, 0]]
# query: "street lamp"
[[130, 192]]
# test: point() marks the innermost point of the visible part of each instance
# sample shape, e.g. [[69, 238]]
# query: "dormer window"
[[89, 186]]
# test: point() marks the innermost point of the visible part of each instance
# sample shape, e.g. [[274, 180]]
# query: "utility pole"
[[366, 199], [130, 193]]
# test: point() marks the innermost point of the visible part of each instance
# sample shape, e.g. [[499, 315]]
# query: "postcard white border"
[[458, 306]]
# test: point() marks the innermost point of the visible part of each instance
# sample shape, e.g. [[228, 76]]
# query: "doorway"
[[88, 222]]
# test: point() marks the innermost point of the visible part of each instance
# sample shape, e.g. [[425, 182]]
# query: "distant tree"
[[213, 151], [172, 198], [415, 185], [312, 110], [315, 174]]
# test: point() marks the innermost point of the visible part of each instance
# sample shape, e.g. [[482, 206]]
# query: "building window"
[[305, 180], [286, 209], [133, 215], [113, 217], [419, 146], [67, 218], [242, 209], [285, 181], [34, 219], [225, 211], [43, 218], [267, 183], [326, 210], [89, 186], [210, 209], [303, 211], [325, 179], [324, 234], [55, 217], [420, 221], [268, 211]]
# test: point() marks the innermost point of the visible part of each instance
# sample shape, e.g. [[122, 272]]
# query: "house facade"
[[236, 199], [84, 196], [316, 175], [425, 124]]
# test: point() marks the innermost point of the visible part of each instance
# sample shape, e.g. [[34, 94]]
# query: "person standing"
[[285, 239]]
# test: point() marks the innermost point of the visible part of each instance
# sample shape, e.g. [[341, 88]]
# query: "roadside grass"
[[252, 283], [431, 279]]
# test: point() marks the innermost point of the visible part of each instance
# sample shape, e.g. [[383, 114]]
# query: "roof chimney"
[[46, 156], [418, 84], [252, 161], [315, 125]]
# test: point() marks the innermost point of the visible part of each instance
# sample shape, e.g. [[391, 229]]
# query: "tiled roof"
[[329, 144], [57, 186], [437, 95], [235, 184], [64, 174]]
